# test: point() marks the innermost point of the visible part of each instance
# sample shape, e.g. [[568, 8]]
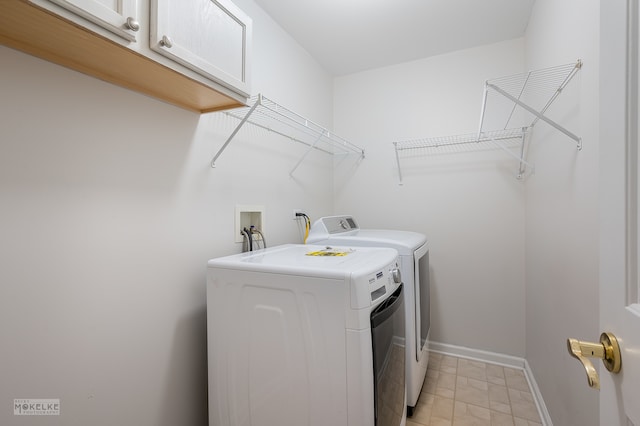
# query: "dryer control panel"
[[337, 224]]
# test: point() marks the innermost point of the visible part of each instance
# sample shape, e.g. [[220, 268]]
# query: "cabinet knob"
[[132, 24], [166, 41]]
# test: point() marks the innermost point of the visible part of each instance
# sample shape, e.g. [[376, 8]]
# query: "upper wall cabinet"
[[117, 16], [209, 36], [193, 54]]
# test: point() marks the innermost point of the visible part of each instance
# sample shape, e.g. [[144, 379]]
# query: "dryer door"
[[422, 300]]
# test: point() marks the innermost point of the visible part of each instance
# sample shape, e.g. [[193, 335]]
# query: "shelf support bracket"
[[305, 154], [539, 115], [484, 107], [395, 145], [520, 158], [236, 130], [523, 163]]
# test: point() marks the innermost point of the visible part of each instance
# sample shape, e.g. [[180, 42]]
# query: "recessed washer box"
[[247, 215]]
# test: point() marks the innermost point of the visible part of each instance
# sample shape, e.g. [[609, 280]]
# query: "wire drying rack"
[[269, 115], [533, 92], [504, 139], [511, 106]]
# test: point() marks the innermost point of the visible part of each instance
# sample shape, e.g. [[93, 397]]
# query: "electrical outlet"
[[295, 212]]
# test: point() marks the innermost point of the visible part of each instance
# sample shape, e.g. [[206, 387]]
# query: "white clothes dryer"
[[413, 249], [305, 335]]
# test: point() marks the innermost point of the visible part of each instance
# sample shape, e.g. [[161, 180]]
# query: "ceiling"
[[347, 36]]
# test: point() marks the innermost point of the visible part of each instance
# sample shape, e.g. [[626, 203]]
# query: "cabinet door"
[[117, 16], [211, 37]]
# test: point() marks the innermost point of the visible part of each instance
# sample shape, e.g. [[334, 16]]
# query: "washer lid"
[[310, 260]]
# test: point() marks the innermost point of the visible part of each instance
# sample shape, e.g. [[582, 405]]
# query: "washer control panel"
[[385, 281]]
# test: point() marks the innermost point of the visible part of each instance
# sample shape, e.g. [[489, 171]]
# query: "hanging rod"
[[493, 138], [546, 84], [269, 115]]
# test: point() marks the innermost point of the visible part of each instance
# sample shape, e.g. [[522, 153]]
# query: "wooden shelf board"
[[40, 33]]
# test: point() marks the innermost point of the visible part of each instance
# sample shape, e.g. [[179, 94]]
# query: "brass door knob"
[[607, 350]]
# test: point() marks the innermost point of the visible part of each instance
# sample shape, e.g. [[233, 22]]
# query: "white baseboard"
[[498, 359], [537, 396]]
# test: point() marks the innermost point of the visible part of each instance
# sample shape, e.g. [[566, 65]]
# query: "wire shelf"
[[511, 106], [506, 140], [457, 140], [533, 92], [269, 115]]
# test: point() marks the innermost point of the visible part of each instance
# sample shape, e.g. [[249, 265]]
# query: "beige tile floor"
[[461, 392]]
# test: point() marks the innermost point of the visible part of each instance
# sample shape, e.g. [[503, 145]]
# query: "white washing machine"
[[414, 259], [306, 335]]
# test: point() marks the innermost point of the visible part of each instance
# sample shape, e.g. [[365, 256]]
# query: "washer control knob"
[[397, 277]]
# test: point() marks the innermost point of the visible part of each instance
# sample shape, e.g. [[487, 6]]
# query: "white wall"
[[469, 204], [562, 212], [109, 213], [487, 230]]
